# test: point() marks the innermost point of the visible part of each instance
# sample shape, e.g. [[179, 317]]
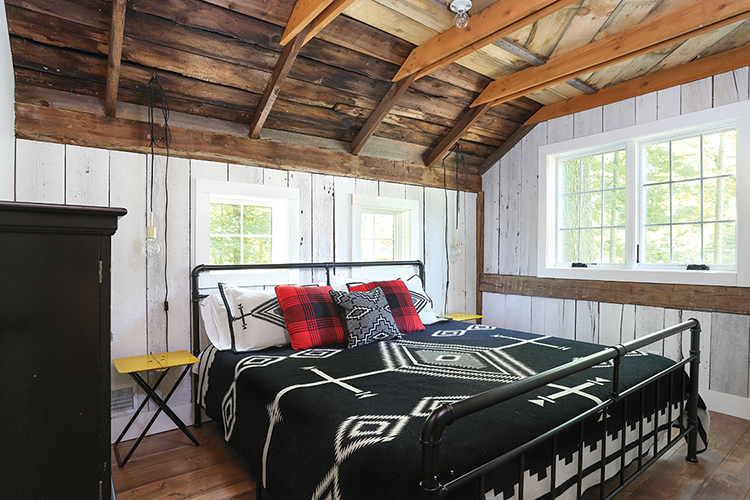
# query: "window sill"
[[720, 278]]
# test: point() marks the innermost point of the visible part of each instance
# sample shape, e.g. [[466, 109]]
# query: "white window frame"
[[285, 222], [738, 113], [407, 224]]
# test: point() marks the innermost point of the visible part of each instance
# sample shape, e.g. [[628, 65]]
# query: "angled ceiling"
[[381, 88]]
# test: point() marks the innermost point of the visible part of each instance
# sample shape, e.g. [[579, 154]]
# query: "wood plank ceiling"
[[369, 88]]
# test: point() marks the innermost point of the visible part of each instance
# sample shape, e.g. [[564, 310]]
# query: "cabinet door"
[[51, 370]]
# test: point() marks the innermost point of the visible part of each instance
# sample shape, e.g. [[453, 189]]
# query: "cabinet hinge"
[[100, 272]]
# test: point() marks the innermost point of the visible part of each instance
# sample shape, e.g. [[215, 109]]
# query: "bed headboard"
[[204, 278]]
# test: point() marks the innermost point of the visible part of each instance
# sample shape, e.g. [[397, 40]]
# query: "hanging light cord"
[[460, 165], [160, 138]]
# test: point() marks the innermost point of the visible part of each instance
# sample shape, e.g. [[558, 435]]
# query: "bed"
[[459, 409]]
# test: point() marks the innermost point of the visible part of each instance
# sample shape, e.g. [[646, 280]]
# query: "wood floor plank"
[[732, 478], [686, 478]]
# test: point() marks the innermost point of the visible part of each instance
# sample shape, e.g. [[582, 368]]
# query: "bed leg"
[[692, 438], [197, 419]]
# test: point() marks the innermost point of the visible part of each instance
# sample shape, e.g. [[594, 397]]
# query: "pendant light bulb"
[[151, 247], [461, 8], [456, 250]]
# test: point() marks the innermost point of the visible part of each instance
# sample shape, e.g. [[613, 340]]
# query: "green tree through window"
[[240, 234]]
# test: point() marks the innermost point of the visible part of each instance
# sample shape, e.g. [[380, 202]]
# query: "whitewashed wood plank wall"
[[511, 203], [56, 173]]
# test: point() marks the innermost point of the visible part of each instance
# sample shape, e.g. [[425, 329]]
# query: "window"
[[647, 203], [237, 223], [384, 228]]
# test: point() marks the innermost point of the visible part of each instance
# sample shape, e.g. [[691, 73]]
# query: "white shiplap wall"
[[63, 174], [7, 115], [511, 203]]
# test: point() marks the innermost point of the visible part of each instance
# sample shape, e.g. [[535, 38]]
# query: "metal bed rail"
[[447, 414]]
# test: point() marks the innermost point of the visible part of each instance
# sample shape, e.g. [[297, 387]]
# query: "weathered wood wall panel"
[[56, 173], [601, 311]]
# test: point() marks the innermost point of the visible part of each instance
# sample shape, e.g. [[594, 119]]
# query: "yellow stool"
[[459, 316], [159, 362]]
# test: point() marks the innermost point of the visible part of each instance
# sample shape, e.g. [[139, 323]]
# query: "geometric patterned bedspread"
[[344, 424]]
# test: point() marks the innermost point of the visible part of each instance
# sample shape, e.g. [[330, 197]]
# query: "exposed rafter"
[[324, 18], [273, 87], [494, 22], [304, 13], [116, 33], [470, 118], [511, 141], [377, 116], [694, 19], [700, 68]]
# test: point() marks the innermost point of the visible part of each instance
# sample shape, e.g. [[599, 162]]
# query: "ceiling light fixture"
[[461, 8]]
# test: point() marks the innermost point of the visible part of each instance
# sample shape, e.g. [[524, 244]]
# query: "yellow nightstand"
[[461, 316], [160, 362]]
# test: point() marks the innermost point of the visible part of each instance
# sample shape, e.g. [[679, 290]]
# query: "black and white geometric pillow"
[[366, 316], [257, 321], [422, 302]]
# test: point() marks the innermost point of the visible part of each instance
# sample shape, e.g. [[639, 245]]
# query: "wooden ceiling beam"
[[470, 118], [689, 72], [695, 18], [326, 17], [273, 87], [43, 120], [116, 33], [492, 23], [304, 13], [381, 111]]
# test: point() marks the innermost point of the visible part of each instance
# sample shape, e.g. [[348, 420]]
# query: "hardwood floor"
[[168, 465]]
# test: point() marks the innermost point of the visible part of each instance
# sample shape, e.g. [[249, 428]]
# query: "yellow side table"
[[461, 316], [160, 362]]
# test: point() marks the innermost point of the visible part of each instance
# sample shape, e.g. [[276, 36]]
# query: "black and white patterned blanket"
[[336, 423]]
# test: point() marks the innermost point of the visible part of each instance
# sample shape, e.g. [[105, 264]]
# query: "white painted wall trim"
[[728, 404], [7, 112], [162, 424]]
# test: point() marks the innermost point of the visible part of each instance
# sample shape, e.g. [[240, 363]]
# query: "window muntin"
[[689, 213], [384, 228], [591, 208], [379, 233]]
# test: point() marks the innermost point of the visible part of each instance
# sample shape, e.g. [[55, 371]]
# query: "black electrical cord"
[[460, 164], [160, 138]]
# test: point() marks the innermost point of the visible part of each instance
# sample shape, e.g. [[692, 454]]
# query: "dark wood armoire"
[[55, 351]]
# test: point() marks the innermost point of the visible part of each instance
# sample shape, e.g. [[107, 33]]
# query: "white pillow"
[[216, 322], [422, 302], [258, 319], [339, 282]]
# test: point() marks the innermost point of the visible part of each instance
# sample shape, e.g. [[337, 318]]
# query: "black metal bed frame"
[[447, 414]]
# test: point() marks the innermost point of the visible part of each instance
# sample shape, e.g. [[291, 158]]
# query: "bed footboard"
[[447, 414]]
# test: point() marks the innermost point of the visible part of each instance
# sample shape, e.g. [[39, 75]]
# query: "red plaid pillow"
[[311, 318], [400, 301]]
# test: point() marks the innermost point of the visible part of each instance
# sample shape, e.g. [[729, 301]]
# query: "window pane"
[[591, 173], [570, 246], [614, 170], [657, 204], [657, 162], [384, 225], [687, 244], [686, 158], [720, 153], [368, 225], [571, 176], [257, 220], [591, 245], [657, 245], [257, 250], [570, 211], [719, 197], [591, 209], [613, 246], [368, 250], [383, 250], [224, 219], [686, 201], [225, 250], [614, 208], [719, 241]]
